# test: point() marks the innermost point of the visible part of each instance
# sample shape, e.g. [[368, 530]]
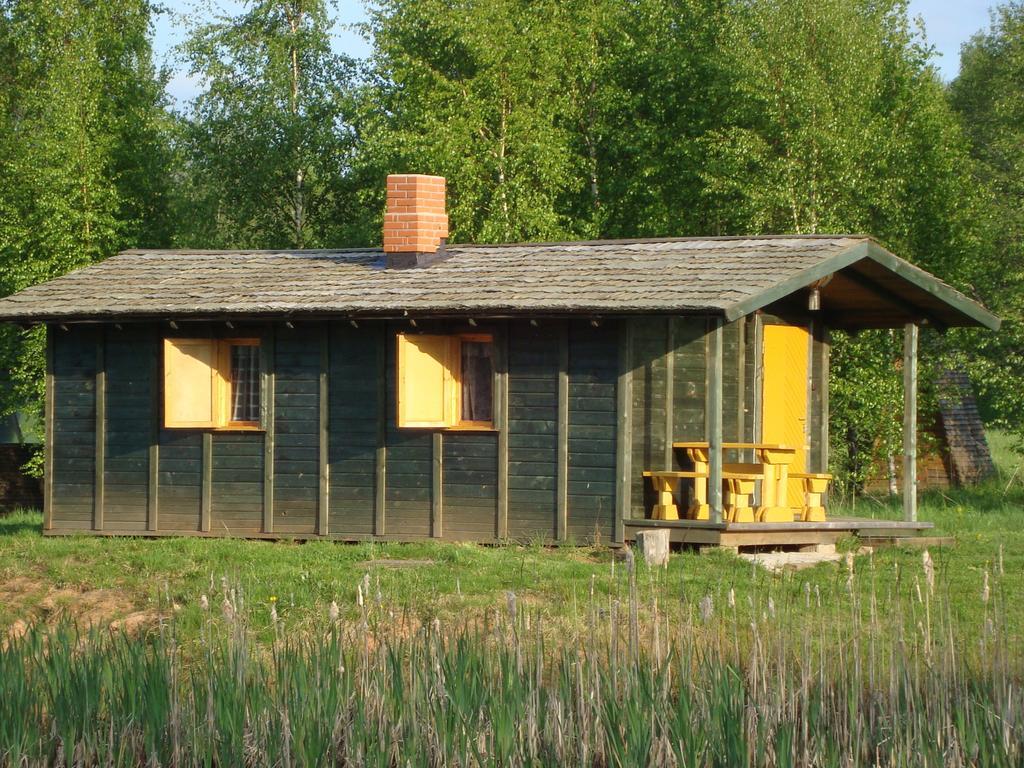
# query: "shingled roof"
[[728, 276]]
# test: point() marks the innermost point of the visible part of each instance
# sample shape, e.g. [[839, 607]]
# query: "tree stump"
[[654, 546]]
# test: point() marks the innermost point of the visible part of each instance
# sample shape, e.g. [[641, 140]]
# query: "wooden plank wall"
[[534, 360], [354, 396], [590, 443], [363, 477], [650, 369], [296, 427], [127, 435], [74, 428]]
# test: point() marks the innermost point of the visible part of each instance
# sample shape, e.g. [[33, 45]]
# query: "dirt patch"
[[87, 608], [14, 590], [134, 623]]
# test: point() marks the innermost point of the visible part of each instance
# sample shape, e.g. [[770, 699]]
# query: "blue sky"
[[948, 24]]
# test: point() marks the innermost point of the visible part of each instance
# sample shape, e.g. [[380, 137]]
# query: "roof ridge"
[[689, 238], [519, 244], [241, 251]]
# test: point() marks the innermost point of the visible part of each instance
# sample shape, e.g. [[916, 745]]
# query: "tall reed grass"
[[890, 682]]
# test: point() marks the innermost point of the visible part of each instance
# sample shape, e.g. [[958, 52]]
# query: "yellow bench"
[[815, 486], [738, 483], [665, 485]]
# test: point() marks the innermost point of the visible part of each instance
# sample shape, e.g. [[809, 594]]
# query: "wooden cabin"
[[458, 392]]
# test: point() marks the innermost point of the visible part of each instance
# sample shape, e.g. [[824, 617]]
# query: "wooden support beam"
[[910, 334], [714, 404], [381, 457], [502, 423], [741, 382], [437, 486], [323, 474], [562, 474], [670, 357], [100, 392], [823, 338], [153, 475], [268, 364], [758, 414], [206, 498], [624, 431], [48, 433]]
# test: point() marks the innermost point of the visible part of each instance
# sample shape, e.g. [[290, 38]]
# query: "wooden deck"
[[704, 533]]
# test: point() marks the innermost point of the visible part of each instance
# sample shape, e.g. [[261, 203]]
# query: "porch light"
[[814, 297]]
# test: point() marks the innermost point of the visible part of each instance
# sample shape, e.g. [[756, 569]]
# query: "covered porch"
[[767, 484]]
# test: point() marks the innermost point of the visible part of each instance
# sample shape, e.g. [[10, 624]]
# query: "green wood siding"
[[593, 369], [179, 484], [533, 437], [650, 346], [128, 430], [470, 485], [353, 397], [237, 482], [74, 427], [731, 395], [562, 402], [689, 378], [296, 428]]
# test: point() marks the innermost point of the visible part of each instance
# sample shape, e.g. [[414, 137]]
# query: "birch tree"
[[266, 147]]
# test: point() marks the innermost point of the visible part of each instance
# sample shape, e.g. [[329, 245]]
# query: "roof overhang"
[[866, 286]]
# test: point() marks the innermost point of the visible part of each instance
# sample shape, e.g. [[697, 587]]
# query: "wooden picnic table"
[[774, 460]]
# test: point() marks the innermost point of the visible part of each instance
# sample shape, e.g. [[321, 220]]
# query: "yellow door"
[[784, 403]]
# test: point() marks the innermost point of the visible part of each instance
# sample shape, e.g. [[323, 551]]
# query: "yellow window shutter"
[[191, 381], [425, 391]]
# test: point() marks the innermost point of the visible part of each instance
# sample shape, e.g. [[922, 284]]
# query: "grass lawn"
[[100, 580]]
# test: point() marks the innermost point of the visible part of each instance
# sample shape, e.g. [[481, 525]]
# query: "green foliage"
[[83, 158], [486, 94], [265, 151], [989, 96]]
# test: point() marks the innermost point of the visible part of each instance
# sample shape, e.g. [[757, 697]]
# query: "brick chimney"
[[415, 222]]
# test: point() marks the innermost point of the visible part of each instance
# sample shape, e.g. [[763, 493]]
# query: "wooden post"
[[670, 374], [714, 420], [268, 364], [380, 459], [99, 488], [741, 382], [562, 482], [910, 332], [323, 495], [502, 422], [437, 487], [624, 431], [825, 350], [48, 433], [206, 503]]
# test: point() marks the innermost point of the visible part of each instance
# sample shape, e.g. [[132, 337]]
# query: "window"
[[445, 382], [212, 383]]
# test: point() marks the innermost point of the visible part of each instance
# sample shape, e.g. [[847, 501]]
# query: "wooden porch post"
[[910, 332], [714, 421]]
